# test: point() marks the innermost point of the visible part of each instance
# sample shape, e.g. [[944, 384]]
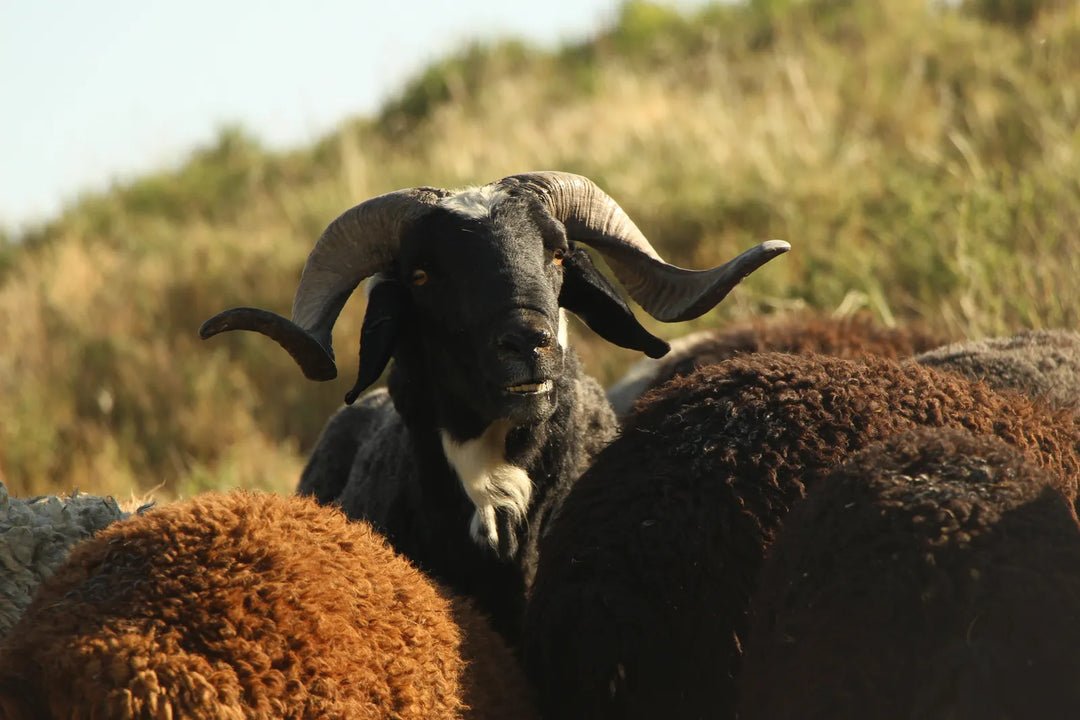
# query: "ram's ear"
[[588, 294], [388, 305]]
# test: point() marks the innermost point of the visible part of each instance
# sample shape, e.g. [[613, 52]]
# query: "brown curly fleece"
[[645, 577], [935, 575], [250, 606], [810, 332]]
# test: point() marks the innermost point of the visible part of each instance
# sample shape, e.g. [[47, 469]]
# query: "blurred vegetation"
[[922, 159]]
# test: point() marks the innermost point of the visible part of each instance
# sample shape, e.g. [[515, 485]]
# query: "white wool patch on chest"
[[488, 479]]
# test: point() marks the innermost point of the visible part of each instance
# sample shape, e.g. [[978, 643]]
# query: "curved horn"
[[359, 243], [666, 292]]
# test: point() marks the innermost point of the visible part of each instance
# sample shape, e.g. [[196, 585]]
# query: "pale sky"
[[95, 90]]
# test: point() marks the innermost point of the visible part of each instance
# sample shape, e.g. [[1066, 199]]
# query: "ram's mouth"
[[530, 388]]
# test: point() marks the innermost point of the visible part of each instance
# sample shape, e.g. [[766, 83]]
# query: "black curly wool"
[[934, 575], [639, 608]]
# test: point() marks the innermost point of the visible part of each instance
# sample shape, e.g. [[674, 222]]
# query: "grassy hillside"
[[923, 162]]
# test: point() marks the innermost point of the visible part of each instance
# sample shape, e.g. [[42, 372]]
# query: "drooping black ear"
[[388, 304], [588, 294]]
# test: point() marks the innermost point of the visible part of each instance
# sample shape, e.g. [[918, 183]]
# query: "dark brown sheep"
[[850, 337], [640, 600], [251, 606], [935, 575]]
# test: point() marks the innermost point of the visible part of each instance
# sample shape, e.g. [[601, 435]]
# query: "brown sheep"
[[251, 606], [850, 337], [935, 575], [640, 600]]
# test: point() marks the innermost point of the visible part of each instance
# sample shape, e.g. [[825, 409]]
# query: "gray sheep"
[[36, 535], [934, 575], [639, 607], [1040, 363], [489, 418]]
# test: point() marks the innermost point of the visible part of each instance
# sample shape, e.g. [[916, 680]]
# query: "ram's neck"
[[503, 469]]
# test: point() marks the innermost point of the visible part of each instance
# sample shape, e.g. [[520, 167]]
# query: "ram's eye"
[[419, 277], [557, 256]]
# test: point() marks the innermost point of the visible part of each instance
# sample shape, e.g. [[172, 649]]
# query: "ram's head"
[[470, 285]]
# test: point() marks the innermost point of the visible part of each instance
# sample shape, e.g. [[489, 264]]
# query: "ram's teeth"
[[530, 387]]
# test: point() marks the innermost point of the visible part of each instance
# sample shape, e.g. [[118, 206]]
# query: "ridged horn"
[[667, 292], [359, 243]]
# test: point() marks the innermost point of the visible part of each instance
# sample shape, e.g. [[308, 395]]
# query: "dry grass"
[[923, 163]]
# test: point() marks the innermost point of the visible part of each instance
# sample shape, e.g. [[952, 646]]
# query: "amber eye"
[[419, 277], [557, 256]]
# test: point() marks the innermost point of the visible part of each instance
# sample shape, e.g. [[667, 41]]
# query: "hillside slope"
[[922, 162]]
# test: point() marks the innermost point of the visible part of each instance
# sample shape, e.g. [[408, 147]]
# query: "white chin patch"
[[483, 528], [488, 479], [475, 202]]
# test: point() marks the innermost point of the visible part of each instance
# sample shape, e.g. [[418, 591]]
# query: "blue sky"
[[96, 90]]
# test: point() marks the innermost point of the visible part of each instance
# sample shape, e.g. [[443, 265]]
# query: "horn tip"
[[775, 247], [207, 330], [217, 324]]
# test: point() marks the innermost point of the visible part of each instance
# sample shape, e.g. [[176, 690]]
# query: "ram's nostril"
[[525, 339]]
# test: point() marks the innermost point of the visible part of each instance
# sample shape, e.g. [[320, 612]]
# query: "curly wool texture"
[[935, 575], [36, 535], [250, 606], [1040, 363], [850, 337], [645, 577]]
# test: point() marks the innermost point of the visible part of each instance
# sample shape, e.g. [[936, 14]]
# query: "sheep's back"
[[936, 574], [852, 336], [645, 577], [367, 435], [1040, 363], [36, 535]]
